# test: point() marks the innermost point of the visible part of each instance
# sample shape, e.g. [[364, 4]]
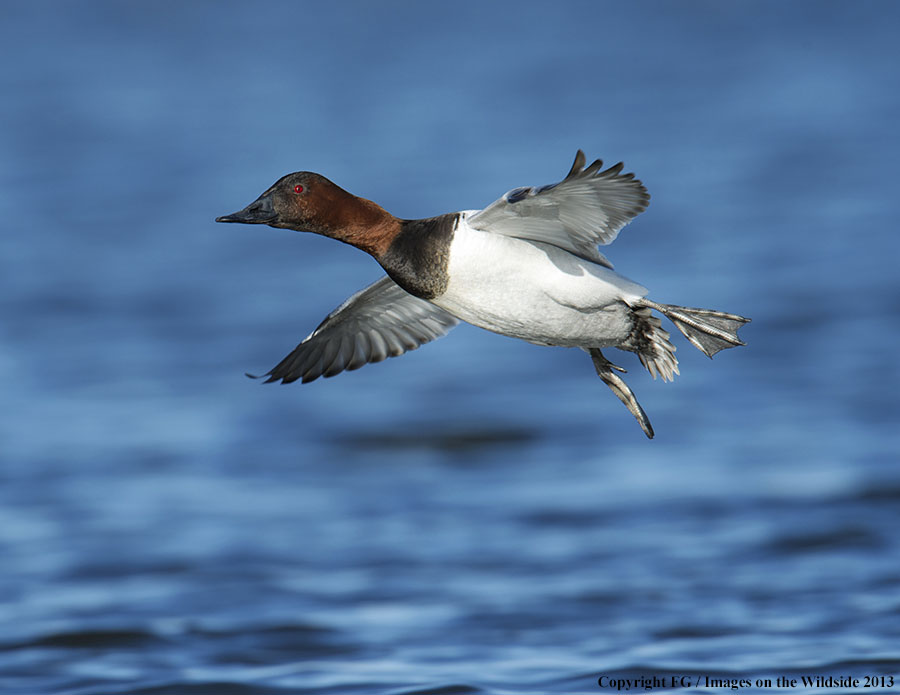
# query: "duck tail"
[[708, 330], [651, 343]]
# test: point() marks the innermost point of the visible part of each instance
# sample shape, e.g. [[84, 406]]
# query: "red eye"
[[298, 188]]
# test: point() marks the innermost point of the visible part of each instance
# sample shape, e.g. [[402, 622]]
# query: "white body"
[[535, 291]]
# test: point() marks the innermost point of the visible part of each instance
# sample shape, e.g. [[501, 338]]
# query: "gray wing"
[[585, 209], [381, 321]]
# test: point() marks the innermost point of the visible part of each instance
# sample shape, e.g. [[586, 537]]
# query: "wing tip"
[[578, 170], [271, 377], [577, 165]]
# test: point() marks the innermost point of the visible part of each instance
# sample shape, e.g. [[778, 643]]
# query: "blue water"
[[481, 516]]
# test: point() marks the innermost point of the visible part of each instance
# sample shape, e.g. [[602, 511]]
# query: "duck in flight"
[[526, 266]]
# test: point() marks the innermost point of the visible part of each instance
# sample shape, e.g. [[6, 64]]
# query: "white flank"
[[535, 291]]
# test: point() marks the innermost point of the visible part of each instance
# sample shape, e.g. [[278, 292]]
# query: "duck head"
[[308, 202]]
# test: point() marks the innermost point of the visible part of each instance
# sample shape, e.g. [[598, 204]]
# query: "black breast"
[[418, 256]]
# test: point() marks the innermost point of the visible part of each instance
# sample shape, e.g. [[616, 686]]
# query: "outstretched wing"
[[585, 209], [381, 321]]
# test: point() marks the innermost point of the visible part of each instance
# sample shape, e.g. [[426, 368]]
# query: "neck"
[[367, 226], [417, 258]]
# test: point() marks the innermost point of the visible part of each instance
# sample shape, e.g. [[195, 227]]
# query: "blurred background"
[[482, 515]]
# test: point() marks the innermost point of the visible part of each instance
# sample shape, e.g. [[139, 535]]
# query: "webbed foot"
[[606, 370]]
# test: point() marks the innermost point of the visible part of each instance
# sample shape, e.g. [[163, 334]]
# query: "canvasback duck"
[[526, 266]]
